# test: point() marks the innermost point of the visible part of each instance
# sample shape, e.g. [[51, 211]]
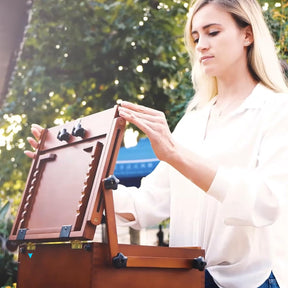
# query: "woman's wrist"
[[194, 167]]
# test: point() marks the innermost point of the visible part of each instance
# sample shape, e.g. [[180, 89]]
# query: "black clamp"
[[78, 131], [63, 135], [199, 263], [88, 247], [111, 182], [119, 261]]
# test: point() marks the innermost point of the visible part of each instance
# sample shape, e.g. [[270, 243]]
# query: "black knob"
[[119, 261], [78, 131], [63, 135], [111, 182], [11, 245], [23, 250], [88, 247], [199, 263]]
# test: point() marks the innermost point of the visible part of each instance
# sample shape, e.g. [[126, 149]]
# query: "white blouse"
[[242, 221]]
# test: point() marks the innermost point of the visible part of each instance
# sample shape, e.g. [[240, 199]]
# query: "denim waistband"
[[271, 282]]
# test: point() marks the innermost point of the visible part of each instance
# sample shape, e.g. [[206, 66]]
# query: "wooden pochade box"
[[69, 188]]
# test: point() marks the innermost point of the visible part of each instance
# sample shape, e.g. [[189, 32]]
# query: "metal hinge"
[[65, 231], [31, 246], [76, 244]]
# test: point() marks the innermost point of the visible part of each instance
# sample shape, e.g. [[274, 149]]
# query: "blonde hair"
[[262, 58]]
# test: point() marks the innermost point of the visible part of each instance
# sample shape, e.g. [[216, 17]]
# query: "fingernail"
[[119, 102]]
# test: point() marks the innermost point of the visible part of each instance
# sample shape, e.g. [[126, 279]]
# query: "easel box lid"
[[62, 198]]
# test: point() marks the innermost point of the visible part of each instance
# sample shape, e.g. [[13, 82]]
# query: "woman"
[[223, 174]]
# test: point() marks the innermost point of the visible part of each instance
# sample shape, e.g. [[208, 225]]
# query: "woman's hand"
[[154, 124], [34, 142]]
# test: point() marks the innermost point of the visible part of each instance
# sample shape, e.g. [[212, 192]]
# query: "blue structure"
[[135, 162]]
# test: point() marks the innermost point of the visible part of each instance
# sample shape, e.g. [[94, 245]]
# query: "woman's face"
[[220, 43]]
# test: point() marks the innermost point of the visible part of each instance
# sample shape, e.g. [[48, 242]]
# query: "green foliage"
[[8, 267], [85, 56], [277, 19], [79, 57]]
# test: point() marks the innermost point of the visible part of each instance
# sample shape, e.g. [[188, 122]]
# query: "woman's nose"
[[202, 44]]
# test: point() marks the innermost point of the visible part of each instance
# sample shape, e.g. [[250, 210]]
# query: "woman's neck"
[[234, 89], [231, 94]]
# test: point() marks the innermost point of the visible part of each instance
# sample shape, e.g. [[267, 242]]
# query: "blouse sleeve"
[[258, 195], [150, 204]]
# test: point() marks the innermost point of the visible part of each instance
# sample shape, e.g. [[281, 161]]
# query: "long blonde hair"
[[262, 58]]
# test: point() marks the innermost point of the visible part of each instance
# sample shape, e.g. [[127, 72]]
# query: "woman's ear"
[[248, 36]]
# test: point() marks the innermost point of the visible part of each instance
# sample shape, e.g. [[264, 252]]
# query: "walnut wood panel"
[[63, 188], [58, 265], [64, 199]]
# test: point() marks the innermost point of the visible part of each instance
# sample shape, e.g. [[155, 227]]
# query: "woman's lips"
[[204, 59]]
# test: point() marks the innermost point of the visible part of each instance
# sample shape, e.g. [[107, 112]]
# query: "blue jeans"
[[269, 283]]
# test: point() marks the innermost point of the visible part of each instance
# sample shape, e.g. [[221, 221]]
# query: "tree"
[[79, 57], [276, 13], [8, 267]]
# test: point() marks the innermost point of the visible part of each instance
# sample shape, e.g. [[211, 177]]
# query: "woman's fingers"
[[134, 120], [37, 130], [141, 116], [139, 108], [30, 154], [153, 123], [32, 142]]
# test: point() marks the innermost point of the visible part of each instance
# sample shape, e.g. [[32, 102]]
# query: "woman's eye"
[[196, 40], [214, 33]]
